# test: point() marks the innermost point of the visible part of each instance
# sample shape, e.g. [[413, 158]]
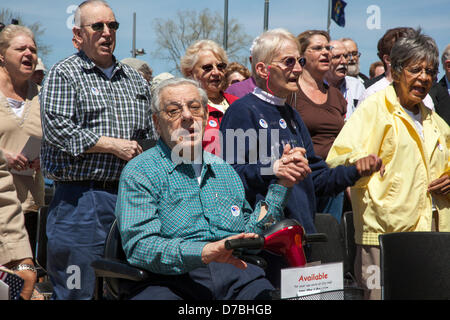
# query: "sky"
[[366, 22]]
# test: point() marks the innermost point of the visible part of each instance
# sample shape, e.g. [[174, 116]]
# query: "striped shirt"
[[166, 217], [79, 104]]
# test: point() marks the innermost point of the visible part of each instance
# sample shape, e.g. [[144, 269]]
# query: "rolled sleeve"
[[276, 200]]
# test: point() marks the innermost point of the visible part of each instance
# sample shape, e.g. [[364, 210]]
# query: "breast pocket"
[[229, 213], [94, 109]]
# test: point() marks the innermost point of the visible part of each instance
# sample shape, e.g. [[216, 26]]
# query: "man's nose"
[[186, 113]]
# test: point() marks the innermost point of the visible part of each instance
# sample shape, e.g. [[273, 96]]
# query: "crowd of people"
[[234, 150]]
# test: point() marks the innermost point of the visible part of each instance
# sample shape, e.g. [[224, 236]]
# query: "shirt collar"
[[395, 106], [267, 97], [87, 63], [166, 153]]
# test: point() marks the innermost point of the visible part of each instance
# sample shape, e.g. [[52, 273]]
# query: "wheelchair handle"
[[316, 237], [249, 243]]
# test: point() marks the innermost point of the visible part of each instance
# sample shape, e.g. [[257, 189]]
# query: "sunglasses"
[[209, 67], [290, 62], [99, 26]]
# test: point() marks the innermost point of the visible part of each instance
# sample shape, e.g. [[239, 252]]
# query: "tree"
[[174, 36], [6, 17]]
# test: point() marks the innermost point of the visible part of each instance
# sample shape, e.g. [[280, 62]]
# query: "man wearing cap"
[[140, 66], [93, 111], [39, 72]]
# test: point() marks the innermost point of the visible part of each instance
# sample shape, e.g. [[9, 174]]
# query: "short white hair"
[[175, 82], [77, 15]]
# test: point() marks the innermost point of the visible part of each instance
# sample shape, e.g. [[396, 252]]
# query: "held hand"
[[125, 149], [368, 165], [216, 251], [16, 161], [29, 278], [440, 186], [292, 167]]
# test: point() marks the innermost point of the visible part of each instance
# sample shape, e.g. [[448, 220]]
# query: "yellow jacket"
[[398, 201]]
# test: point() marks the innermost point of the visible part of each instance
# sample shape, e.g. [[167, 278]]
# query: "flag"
[[14, 282], [337, 12]]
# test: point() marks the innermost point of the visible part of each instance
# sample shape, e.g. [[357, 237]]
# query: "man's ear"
[[77, 36], [156, 123], [262, 70]]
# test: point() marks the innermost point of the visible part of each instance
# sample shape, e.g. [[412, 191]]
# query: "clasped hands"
[[292, 167]]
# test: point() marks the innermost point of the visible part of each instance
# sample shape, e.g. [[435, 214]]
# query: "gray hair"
[[174, 82], [77, 15], [414, 47], [445, 55], [268, 45], [10, 32]]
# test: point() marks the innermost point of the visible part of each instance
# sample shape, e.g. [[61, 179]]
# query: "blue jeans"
[[78, 223]]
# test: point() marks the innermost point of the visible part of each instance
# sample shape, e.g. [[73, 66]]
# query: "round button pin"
[[235, 211]]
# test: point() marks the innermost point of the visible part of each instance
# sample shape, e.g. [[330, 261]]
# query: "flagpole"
[[329, 17], [225, 26]]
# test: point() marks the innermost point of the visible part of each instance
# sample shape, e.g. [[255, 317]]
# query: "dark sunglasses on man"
[[99, 26], [209, 67], [290, 61]]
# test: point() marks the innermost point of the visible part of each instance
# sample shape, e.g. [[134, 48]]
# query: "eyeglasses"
[[355, 54], [99, 26], [175, 109], [339, 56], [320, 48], [290, 62], [418, 70], [209, 67]]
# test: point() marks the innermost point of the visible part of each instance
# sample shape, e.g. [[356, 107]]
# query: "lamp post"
[[135, 52], [225, 26]]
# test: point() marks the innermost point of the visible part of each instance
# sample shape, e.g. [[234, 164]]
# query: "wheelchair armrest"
[[108, 268]]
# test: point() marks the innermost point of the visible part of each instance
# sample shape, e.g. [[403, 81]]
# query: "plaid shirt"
[[79, 104], [166, 218]]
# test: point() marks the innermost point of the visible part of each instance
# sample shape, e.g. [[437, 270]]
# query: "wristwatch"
[[22, 267]]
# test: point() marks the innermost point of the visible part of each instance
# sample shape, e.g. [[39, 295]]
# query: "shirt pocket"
[[229, 214], [94, 109], [134, 116]]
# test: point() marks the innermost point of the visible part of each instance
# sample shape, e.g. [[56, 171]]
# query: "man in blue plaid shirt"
[[94, 109], [178, 204]]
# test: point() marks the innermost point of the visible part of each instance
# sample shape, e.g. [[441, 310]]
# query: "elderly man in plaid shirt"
[[177, 204], [94, 109]]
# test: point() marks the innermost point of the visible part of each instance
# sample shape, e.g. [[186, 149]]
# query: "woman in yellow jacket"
[[411, 192]]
